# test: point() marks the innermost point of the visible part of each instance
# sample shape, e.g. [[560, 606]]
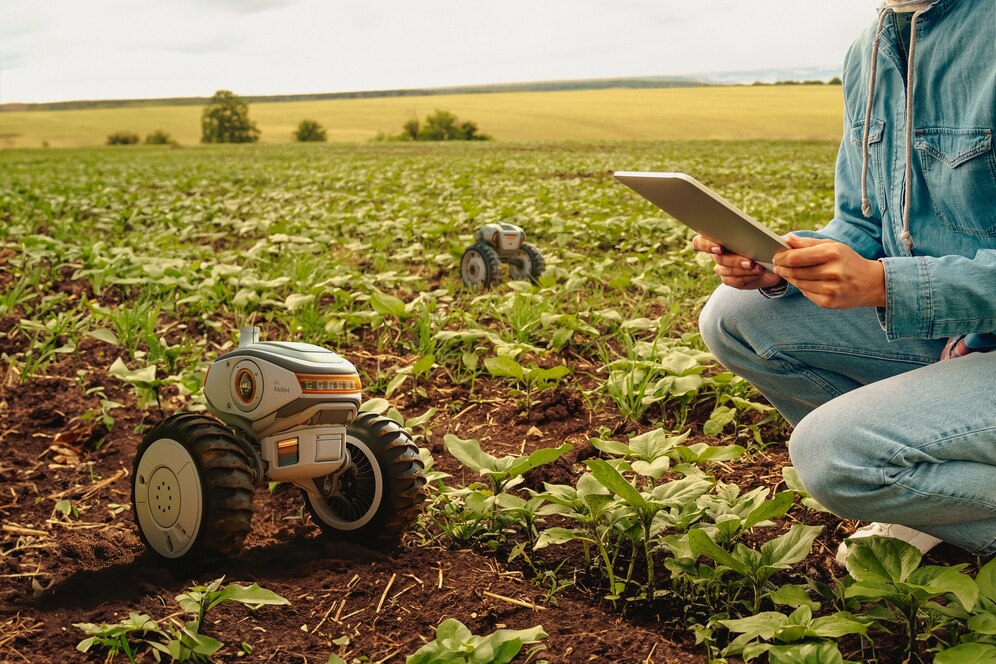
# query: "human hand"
[[734, 270], [831, 274]]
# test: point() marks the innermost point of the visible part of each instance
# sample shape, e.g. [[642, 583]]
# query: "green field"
[[741, 113], [641, 496]]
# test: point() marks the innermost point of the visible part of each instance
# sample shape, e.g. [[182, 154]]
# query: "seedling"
[[288, 412]]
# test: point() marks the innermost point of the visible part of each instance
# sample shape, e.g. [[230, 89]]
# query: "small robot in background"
[[496, 244]]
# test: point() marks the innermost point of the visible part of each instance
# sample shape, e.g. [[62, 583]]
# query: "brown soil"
[[57, 569]]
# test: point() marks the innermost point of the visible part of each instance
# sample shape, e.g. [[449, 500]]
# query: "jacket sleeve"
[[936, 297]]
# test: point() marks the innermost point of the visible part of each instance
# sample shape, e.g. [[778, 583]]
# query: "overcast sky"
[[52, 50]]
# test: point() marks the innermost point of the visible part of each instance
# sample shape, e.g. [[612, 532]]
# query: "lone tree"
[[309, 131], [226, 120]]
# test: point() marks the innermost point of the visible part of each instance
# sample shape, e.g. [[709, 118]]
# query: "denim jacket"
[[945, 286]]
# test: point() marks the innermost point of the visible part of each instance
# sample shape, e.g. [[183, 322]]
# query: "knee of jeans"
[[822, 453], [716, 323]]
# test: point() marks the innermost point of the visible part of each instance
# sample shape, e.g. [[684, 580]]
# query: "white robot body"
[[296, 399]]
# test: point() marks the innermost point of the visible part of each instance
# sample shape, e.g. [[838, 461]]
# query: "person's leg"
[[800, 355], [918, 449]]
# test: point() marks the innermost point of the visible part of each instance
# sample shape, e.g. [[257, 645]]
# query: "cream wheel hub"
[[169, 502]]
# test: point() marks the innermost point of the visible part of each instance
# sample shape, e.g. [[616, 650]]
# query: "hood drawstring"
[[866, 210]]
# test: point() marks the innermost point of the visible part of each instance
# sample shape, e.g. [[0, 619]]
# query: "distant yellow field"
[[762, 112]]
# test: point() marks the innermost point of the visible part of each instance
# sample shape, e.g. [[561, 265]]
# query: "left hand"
[[831, 274]]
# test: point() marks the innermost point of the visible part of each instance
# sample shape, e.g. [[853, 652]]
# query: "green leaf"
[[837, 625], [942, 580], [297, 300], [504, 367], [470, 361], [702, 545], [986, 580], [791, 547], [144, 377], [387, 305], [612, 480], [537, 458], [610, 447], [469, 453], [983, 623], [770, 509], [424, 364], [554, 536], [881, 559], [794, 596], [967, 653], [377, 405], [105, 335], [720, 417], [252, 596]]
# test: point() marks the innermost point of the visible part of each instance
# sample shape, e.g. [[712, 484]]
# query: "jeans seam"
[[771, 352]]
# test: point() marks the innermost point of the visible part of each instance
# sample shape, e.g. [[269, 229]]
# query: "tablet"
[[703, 210]]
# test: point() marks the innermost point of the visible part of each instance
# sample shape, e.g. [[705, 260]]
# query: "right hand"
[[734, 270]]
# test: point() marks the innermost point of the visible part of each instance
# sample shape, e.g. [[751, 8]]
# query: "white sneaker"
[[921, 541]]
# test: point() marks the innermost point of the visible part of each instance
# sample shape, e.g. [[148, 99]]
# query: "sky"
[[59, 50]]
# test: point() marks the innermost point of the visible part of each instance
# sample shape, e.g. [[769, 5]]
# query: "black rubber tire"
[[484, 275], [537, 264], [401, 479], [225, 474]]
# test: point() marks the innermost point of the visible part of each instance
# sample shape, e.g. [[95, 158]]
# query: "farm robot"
[[496, 244], [288, 412]]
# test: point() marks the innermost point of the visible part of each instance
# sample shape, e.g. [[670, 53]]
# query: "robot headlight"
[[329, 384]]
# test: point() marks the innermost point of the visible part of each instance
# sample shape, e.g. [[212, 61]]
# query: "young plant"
[[795, 638], [887, 571], [455, 644]]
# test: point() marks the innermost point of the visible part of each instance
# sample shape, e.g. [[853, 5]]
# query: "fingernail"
[[745, 265], [717, 250]]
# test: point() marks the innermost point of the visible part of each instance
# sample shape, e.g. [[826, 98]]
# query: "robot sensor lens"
[[287, 452]]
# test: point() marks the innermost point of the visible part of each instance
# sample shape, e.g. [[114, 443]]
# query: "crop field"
[[599, 489], [743, 113]]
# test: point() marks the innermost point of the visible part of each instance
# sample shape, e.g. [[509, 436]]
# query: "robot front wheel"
[[192, 488], [375, 498]]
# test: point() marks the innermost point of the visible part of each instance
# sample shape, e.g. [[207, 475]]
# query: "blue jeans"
[[883, 431]]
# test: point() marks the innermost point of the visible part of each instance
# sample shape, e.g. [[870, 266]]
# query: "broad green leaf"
[[984, 622], [423, 364], [297, 300], [537, 458], [703, 545], [881, 559], [105, 335], [610, 478], [942, 580], [720, 417], [376, 405], [252, 596], [387, 305], [792, 595], [967, 653], [837, 625], [986, 580], [554, 536], [653, 469], [791, 547], [610, 447], [144, 377], [770, 509], [469, 453], [504, 367]]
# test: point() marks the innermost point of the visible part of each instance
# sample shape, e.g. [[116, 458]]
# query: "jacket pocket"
[[876, 186], [959, 168]]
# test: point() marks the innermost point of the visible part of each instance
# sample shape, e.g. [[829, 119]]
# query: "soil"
[[57, 569]]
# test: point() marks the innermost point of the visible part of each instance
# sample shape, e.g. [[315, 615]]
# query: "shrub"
[[310, 131], [123, 138], [159, 137], [440, 126], [226, 120]]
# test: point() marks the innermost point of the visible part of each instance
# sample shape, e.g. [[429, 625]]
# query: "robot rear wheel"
[[528, 263], [375, 498]]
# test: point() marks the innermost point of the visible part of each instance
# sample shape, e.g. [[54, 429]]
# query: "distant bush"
[[309, 131], [226, 120], [835, 81], [159, 137], [123, 138], [440, 126]]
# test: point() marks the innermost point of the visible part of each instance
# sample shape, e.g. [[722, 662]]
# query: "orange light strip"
[[325, 384]]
